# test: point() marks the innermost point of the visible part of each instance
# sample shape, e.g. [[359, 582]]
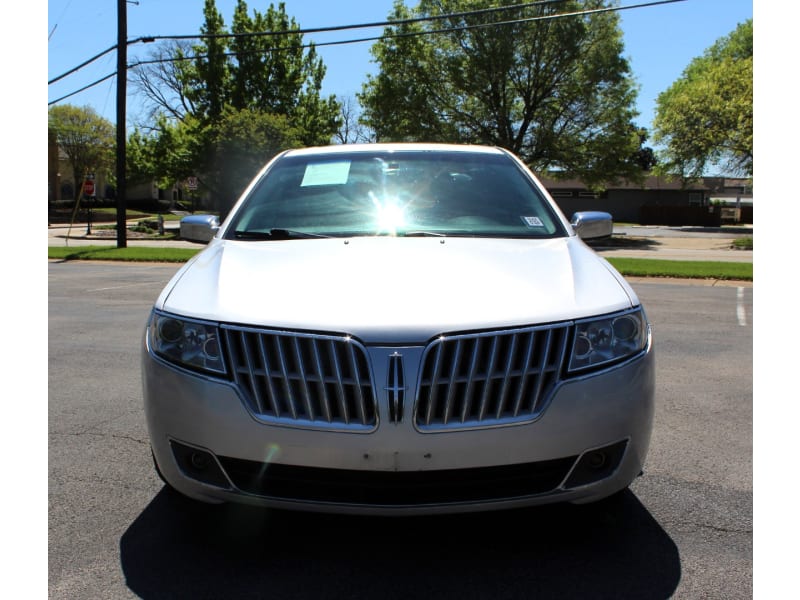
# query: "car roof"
[[394, 147]]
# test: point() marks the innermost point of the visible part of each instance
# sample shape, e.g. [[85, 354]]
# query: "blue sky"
[[660, 41]]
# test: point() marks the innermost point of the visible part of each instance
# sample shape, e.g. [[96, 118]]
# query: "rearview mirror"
[[591, 225]]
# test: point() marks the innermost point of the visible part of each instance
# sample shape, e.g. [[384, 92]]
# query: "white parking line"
[[741, 315], [121, 287]]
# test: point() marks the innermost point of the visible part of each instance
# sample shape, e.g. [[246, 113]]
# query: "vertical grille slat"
[[354, 372], [543, 363], [308, 380], [523, 379], [270, 386], [506, 377], [338, 381], [246, 376], [302, 380], [451, 386], [285, 377], [487, 386], [249, 372], [489, 378], [322, 384], [471, 380], [434, 388]]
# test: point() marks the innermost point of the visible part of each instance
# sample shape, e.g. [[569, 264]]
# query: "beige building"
[[61, 181]]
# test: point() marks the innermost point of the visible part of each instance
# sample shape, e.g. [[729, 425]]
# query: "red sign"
[[88, 188]]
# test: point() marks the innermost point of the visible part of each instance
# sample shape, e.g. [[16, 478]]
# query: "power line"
[[84, 88], [405, 34], [83, 64], [361, 40], [314, 30], [94, 58], [61, 16], [361, 25]]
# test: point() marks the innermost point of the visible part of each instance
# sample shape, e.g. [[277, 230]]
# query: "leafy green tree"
[[243, 141], [166, 156], [705, 118], [557, 91], [276, 74], [207, 79], [87, 139], [273, 80], [268, 71]]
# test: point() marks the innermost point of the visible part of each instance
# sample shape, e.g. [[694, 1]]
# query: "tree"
[[87, 139], [555, 91], [160, 79], [705, 118], [214, 87], [276, 74], [163, 154], [351, 130], [207, 78], [243, 141]]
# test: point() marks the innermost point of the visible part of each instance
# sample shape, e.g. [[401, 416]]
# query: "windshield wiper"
[[276, 234], [423, 233]]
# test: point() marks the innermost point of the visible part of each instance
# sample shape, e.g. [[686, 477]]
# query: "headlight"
[[608, 339], [189, 343]]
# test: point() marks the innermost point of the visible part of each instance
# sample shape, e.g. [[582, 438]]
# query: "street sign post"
[[191, 185], [90, 193]]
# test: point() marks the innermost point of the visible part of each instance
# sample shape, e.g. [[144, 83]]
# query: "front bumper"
[[590, 442]]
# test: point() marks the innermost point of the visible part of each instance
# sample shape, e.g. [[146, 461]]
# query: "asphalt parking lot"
[[685, 529]]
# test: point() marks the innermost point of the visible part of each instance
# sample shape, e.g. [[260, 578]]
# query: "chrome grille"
[[485, 379], [302, 379]]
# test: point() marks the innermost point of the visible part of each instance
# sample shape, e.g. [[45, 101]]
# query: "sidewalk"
[[677, 246], [57, 236]]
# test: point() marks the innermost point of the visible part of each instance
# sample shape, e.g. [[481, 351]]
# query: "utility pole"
[[122, 79]]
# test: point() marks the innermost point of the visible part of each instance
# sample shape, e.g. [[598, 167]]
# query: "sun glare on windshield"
[[389, 215]]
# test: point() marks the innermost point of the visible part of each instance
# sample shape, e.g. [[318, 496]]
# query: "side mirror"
[[592, 224], [199, 228]]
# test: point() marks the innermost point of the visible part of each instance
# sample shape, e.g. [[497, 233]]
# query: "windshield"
[[405, 193]]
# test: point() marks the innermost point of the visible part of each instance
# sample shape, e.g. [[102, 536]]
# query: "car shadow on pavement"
[[622, 241], [613, 549]]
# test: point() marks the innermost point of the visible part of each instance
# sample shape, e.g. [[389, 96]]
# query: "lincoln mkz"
[[398, 329]]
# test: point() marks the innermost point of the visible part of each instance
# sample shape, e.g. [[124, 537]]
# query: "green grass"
[[112, 212], [686, 269], [131, 254], [632, 267], [744, 243]]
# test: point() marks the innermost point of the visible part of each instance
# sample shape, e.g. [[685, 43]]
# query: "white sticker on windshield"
[[327, 173], [533, 221]]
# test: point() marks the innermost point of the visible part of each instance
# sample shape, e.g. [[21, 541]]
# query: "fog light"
[[199, 465], [200, 460], [596, 460], [595, 465]]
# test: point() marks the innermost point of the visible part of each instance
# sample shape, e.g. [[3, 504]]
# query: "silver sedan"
[[398, 329]]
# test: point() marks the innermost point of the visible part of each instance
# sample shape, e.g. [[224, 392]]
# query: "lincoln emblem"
[[395, 386]]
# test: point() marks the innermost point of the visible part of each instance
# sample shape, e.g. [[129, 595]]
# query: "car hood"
[[396, 290]]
